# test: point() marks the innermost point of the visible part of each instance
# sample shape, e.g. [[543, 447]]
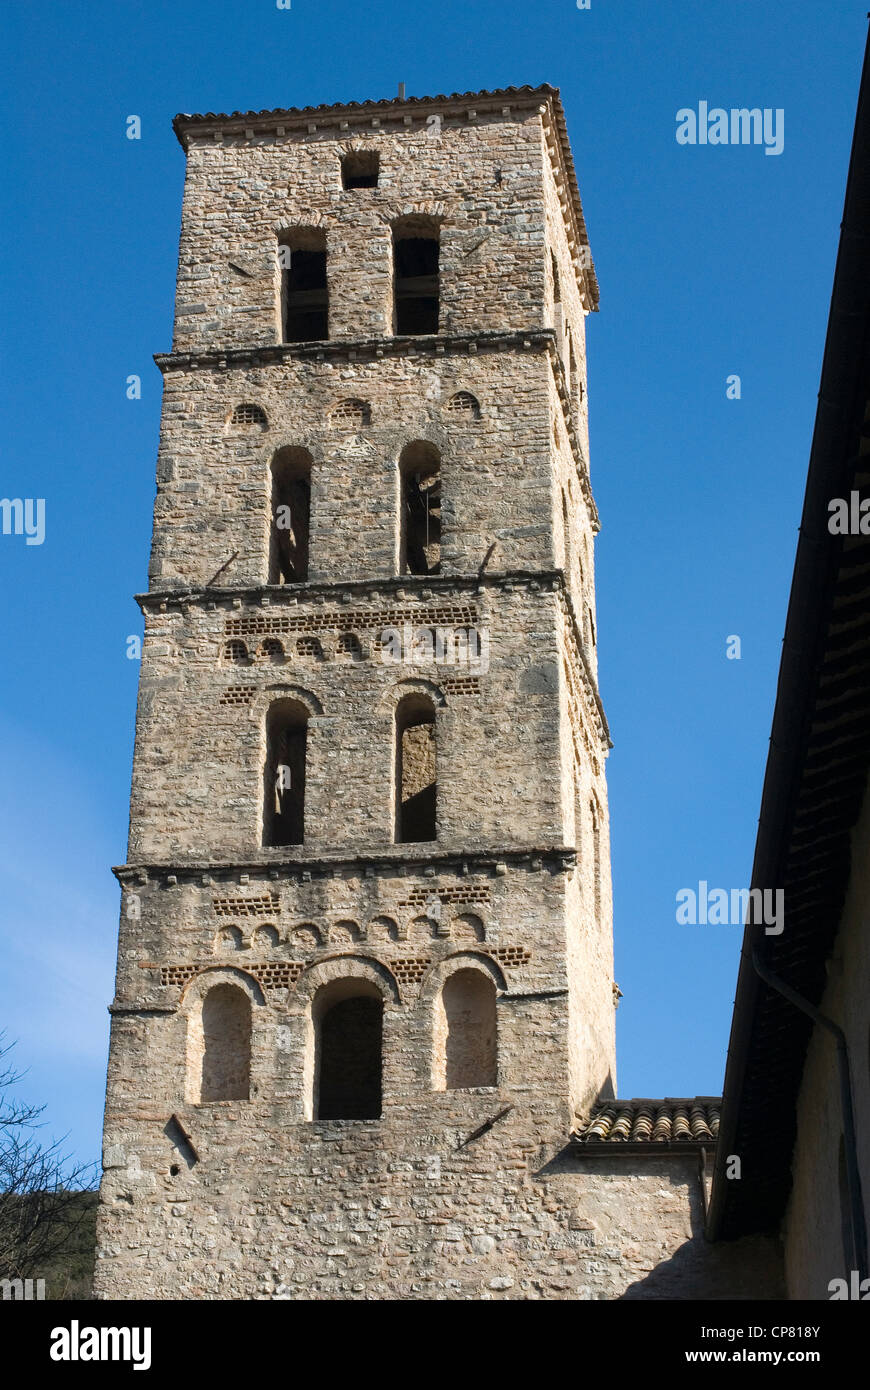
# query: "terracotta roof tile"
[[649, 1124]]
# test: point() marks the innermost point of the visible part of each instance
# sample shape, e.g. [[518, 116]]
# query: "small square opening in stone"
[[361, 169]]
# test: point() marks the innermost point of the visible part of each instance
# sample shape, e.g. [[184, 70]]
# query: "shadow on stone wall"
[[750, 1268], [636, 1221]]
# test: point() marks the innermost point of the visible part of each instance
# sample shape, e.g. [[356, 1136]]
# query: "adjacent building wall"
[[813, 1227]]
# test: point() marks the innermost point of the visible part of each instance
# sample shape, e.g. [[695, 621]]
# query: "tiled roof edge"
[[611, 1125], [185, 120]]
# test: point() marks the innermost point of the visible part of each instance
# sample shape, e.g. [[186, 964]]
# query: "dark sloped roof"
[[819, 756], [641, 1126]]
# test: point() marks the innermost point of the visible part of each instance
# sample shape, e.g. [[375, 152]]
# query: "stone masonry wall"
[[410, 1208], [480, 179], [198, 778]]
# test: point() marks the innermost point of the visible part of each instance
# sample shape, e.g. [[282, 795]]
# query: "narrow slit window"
[[596, 857], [558, 319]]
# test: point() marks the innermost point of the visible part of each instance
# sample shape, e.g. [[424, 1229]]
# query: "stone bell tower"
[[365, 962]]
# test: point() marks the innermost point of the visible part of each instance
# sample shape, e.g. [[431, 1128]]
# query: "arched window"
[[416, 770], [284, 777], [466, 1037], [304, 291], [420, 519], [348, 1042], [291, 515], [415, 274], [310, 646], [352, 412], [221, 1045], [349, 645], [273, 650]]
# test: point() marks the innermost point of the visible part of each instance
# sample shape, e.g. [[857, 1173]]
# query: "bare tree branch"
[[40, 1188]]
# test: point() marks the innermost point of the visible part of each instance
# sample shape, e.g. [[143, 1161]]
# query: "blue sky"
[[711, 260]]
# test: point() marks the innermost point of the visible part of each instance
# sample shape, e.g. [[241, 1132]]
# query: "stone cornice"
[[358, 349], [302, 869], [276, 123], [426, 588]]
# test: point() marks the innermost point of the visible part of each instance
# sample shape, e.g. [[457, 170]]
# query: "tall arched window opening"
[[466, 1036], [348, 1045], [290, 516], [416, 252], [220, 1043], [420, 517], [416, 771], [284, 777], [304, 289]]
